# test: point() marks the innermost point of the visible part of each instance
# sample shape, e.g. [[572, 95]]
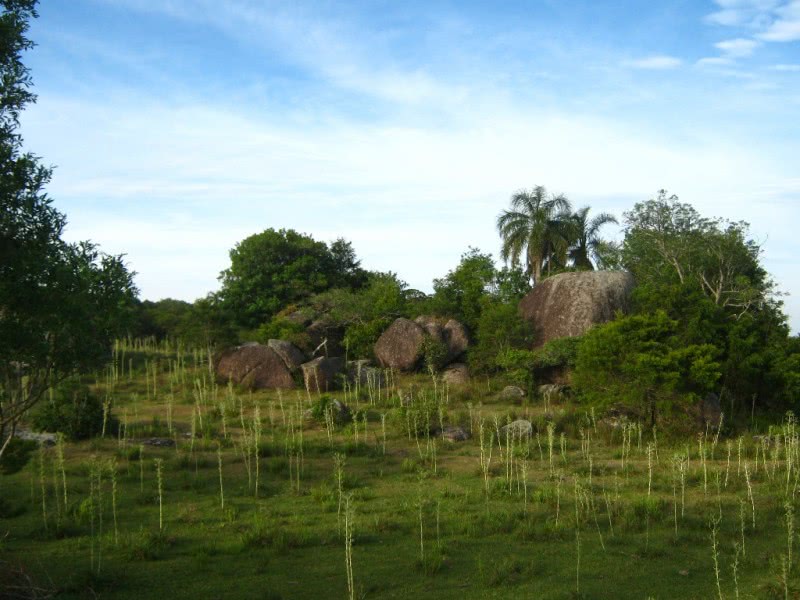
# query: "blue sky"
[[179, 127]]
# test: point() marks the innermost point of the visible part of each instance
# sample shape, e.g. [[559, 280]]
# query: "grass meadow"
[[267, 495]]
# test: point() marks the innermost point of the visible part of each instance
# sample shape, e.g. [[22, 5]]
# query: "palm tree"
[[536, 226], [586, 240]]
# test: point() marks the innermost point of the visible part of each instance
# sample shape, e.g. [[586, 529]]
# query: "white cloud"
[[741, 13], [785, 68], [737, 48], [657, 62], [714, 61], [786, 28]]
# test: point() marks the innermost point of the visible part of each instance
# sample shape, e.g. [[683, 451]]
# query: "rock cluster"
[[402, 345]]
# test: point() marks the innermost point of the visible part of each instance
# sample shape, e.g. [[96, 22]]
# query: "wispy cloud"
[[656, 62], [786, 27], [793, 68], [737, 48], [742, 13]]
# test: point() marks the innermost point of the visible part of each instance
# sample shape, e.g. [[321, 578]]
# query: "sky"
[[179, 127]]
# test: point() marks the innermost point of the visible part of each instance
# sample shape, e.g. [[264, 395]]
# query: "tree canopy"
[[61, 304], [274, 268]]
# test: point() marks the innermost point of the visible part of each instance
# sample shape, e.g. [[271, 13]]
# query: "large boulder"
[[432, 326], [401, 345], [321, 374], [326, 339], [362, 373], [456, 374], [290, 354], [254, 366], [455, 338], [567, 305]]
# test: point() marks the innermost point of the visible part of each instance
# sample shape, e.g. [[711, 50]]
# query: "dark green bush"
[[74, 411], [16, 455]]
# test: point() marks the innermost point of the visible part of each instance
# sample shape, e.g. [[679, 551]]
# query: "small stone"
[[454, 434], [512, 392]]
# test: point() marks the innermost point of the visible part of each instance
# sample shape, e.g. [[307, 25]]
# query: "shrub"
[[16, 455], [74, 411]]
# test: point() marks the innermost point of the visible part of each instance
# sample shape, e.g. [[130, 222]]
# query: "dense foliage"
[[706, 318], [74, 411], [61, 304], [274, 268]]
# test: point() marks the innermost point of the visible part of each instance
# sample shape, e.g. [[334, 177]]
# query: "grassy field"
[[259, 500]]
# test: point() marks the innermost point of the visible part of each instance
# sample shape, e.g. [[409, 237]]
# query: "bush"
[[341, 414], [74, 411], [16, 455]]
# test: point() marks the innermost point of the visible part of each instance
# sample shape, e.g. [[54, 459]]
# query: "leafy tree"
[[641, 361], [705, 274], [500, 328], [586, 243], [459, 293], [272, 269], [537, 227], [668, 242], [61, 304]]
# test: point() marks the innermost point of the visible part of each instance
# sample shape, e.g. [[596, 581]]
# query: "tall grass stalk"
[[159, 477], [219, 467], [715, 556], [349, 513]]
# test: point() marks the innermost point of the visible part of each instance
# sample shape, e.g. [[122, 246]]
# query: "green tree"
[[272, 269], [642, 362], [459, 293], [61, 304], [537, 227], [586, 242], [706, 276]]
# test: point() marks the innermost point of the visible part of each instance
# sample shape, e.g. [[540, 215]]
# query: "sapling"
[[42, 483], [729, 446], [219, 465], [349, 513], [141, 468], [60, 455], [789, 508], [338, 472], [551, 429], [383, 431], [649, 469], [735, 569], [577, 539], [715, 555], [112, 468], [750, 493], [741, 525], [159, 464]]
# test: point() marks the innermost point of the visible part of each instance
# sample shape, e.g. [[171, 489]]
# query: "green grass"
[[288, 542]]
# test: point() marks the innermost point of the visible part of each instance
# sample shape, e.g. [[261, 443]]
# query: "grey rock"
[[512, 392], [254, 366], [290, 354], [569, 304], [454, 434], [519, 428], [401, 345], [456, 374], [322, 373]]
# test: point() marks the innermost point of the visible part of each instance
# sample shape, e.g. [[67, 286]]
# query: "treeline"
[[706, 317]]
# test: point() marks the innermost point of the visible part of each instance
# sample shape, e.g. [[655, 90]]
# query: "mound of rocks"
[[401, 346], [569, 304], [254, 366]]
